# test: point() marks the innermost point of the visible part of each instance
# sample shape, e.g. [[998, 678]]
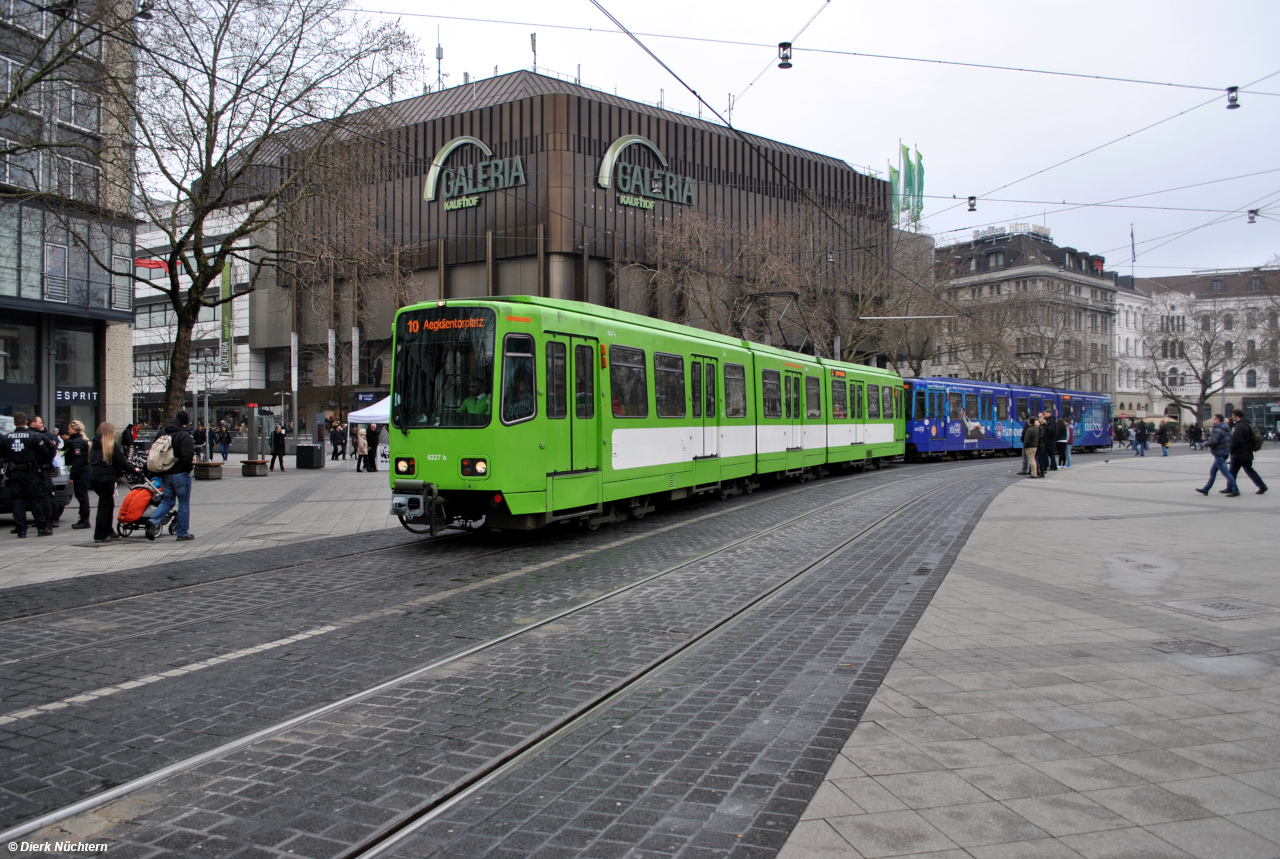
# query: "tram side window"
[[786, 394], [584, 392], [888, 394], [921, 405], [668, 385], [839, 400], [971, 406], [711, 391], [1022, 408], [813, 397], [986, 407], [795, 396], [1002, 408], [695, 382], [518, 401], [858, 411], [873, 401], [1035, 405], [735, 391], [1075, 412], [557, 398], [771, 390], [628, 384]]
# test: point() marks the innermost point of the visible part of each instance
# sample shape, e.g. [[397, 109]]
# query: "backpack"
[[1257, 438], [160, 458]]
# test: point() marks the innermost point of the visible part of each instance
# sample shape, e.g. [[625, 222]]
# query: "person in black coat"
[[76, 455], [335, 440], [277, 448], [372, 463], [1242, 450], [107, 461]]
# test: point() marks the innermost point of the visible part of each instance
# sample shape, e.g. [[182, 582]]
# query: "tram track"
[[476, 779], [175, 593]]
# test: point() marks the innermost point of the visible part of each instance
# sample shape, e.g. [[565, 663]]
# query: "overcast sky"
[[977, 129]]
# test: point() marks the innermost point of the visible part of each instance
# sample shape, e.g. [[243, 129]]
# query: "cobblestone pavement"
[[333, 779], [234, 515], [1097, 677], [76, 722]]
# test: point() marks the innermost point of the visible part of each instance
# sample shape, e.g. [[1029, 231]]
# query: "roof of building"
[[1234, 283], [1023, 249], [516, 86]]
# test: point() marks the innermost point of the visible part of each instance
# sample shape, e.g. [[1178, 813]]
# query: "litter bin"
[[310, 456]]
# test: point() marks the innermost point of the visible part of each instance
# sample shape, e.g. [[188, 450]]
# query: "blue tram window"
[[921, 409], [1022, 408], [1002, 408], [955, 405]]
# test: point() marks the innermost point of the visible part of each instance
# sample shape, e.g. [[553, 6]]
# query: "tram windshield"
[[444, 368]]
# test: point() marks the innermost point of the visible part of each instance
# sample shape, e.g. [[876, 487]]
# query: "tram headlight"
[[475, 467], [405, 465]]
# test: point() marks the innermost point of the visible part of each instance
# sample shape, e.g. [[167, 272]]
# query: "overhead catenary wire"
[[794, 39], [832, 51]]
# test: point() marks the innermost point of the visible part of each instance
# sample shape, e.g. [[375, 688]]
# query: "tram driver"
[[476, 407]]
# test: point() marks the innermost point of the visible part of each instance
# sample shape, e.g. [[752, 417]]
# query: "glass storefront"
[[75, 377], [19, 389]]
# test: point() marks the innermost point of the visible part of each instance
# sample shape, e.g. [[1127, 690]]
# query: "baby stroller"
[[138, 504]]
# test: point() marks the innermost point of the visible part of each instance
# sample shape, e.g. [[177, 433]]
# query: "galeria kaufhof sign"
[[461, 188], [638, 187]]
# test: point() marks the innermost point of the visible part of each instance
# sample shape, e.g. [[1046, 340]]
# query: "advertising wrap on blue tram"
[[954, 416]]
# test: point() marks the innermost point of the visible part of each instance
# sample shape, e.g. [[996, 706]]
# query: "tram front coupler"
[[418, 503]]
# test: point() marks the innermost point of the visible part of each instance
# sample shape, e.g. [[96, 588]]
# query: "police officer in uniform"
[[50, 451], [76, 454], [26, 452]]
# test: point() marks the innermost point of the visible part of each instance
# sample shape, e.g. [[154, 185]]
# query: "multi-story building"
[[1134, 396], [1026, 310], [1237, 313], [521, 184], [65, 343]]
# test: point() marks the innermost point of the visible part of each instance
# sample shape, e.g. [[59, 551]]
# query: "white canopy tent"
[[379, 413]]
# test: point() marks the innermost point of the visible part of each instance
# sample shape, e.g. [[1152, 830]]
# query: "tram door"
[[574, 424], [792, 405], [704, 402]]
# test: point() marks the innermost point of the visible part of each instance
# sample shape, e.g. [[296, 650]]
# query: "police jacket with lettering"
[[28, 448], [76, 452]]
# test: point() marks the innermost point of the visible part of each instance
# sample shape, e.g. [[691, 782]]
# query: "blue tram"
[[950, 417]]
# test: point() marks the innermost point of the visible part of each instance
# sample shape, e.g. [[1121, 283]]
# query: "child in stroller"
[[138, 504]]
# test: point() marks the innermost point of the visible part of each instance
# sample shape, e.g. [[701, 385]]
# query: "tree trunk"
[[175, 392]]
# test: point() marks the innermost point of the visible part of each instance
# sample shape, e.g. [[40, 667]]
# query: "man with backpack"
[[1219, 445], [171, 457], [27, 452], [1245, 440]]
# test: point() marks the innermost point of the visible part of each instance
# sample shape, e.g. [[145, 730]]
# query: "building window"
[[1255, 284], [1251, 350], [1229, 378], [995, 260], [1273, 377], [1251, 379], [1217, 284], [1228, 322], [1228, 350], [973, 263], [1251, 320]]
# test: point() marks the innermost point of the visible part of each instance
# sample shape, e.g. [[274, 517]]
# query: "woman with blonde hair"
[[76, 455], [362, 449], [107, 461]]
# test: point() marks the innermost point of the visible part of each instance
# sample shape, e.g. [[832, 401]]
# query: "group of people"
[[1046, 444], [96, 465], [362, 444], [1232, 441]]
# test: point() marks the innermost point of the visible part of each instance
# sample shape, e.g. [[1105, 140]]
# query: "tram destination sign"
[[640, 187], [461, 188]]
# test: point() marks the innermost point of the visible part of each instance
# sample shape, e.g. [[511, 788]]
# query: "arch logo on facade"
[[461, 188], [639, 187]]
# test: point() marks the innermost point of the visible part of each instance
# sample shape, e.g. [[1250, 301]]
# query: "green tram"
[[526, 411]]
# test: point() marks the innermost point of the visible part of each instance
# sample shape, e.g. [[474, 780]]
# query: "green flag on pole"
[[895, 184], [919, 199], [908, 182]]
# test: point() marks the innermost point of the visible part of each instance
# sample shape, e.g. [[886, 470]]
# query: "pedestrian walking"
[[76, 456], [26, 451], [1219, 445], [171, 457], [1162, 439], [277, 448], [201, 439], [1071, 441], [1063, 435], [1194, 435], [107, 462], [1030, 441], [1244, 441], [1141, 437], [373, 438], [335, 441], [362, 449], [224, 440], [126, 439]]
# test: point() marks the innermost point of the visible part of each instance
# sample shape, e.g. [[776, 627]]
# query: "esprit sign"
[[461, 188], [638, 186]]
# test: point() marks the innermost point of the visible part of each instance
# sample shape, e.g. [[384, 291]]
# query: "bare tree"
[[242, 112], [1200, 346]]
